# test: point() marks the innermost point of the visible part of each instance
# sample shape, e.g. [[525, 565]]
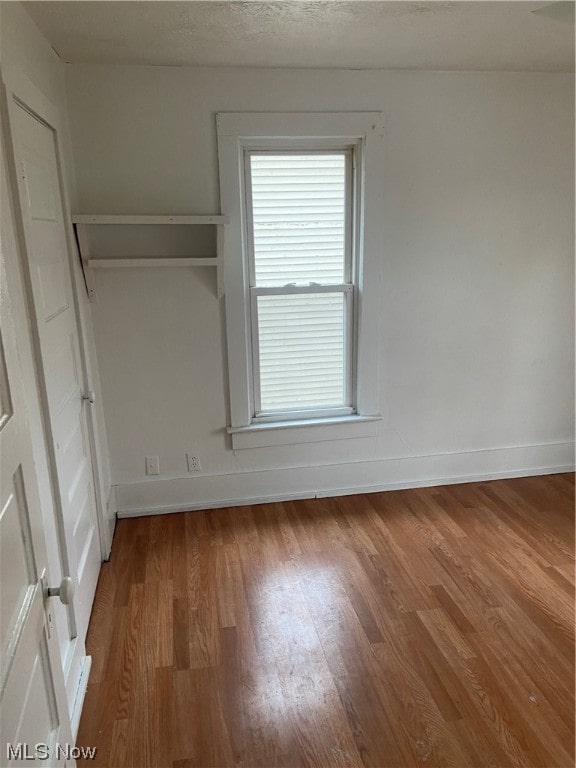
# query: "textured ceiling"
[[464, 35]]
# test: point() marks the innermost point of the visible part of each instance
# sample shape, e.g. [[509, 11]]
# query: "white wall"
[[477, 294], [25, 51]]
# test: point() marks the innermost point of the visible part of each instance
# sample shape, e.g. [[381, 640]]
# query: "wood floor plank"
[[198, 716], [523, 694], [437, 690], [161, 718], [179, 557], [415, 713], [100, 631], [567, 571], [454, 613], [432, 627], [226, 565], [516, 731], [99, 718], [308, 688], [456, 684], [181, 633], [522, 642], [513, 619], [121, 750], [531, 529], [113, 654], [128, 690], [159, 564]]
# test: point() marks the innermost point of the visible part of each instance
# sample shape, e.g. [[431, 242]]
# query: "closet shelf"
[[85, 218], [173, 261], [82, 222]]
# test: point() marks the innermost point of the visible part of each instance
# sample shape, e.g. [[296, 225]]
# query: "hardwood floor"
[[429, 627]]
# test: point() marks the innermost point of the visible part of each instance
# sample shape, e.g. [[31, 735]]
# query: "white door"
[[33, 705], [60, 367]]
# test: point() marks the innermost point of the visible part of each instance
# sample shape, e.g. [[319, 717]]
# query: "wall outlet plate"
[[193, 459], [152, 465]]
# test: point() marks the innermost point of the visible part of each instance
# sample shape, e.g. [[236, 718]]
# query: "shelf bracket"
[[84, 249]]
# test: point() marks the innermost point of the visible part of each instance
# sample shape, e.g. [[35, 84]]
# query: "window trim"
[[238, 132]]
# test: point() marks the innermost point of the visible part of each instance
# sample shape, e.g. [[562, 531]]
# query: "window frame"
[[238, 132], [347, 287]]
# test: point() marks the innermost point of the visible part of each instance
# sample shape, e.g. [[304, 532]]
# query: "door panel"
[[59, 358], [5, 399], [16, 563], [49, 255], [62, 374], [33, 706], [29, 714]]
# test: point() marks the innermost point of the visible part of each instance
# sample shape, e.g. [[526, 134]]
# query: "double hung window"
[[300, 232], [301, 272]]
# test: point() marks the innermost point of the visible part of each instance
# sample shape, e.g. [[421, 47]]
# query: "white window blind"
[[299, 219]]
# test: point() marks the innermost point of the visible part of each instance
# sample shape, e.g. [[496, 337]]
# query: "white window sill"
[[272, 433]]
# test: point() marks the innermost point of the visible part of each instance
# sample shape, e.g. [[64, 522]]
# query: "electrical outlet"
[[152, 465], [193, 462]]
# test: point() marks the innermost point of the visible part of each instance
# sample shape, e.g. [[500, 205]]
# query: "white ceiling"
[[464, 35]]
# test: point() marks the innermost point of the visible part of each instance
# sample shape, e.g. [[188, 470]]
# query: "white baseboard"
[[159, 496], [111, 512], [80, 695]]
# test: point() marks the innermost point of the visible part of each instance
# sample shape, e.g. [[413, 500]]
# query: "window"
[[299, 224], [301, 310]]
